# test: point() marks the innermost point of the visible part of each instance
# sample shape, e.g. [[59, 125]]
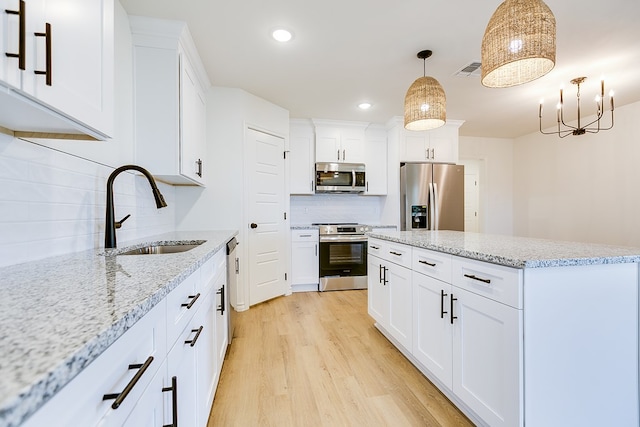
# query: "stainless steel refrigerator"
[[431, 196]]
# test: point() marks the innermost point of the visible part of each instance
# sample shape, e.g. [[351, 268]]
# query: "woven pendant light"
[[425, 104], [519, 43]]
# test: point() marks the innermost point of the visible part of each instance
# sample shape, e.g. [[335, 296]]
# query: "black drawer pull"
[[395, 253], [174, 401], [192, 342], [189, 304], [442, 295], [374, 247], [480, 279], [47, 70], [119, 397], [427, 262]]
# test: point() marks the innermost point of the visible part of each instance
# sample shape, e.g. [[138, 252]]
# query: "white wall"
[[53, 203], [581, 188], [495, 157], [221, 205]]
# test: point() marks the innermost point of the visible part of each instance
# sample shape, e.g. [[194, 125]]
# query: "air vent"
[[473, 69]]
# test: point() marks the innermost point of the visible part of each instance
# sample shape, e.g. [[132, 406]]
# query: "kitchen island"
[[59, 314], [515, 331]]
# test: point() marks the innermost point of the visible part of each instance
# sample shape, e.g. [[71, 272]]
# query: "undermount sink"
[[161, 248]]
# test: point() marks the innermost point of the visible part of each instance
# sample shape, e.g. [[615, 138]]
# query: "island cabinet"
[[162, 371], [58, 71], [514, 346], [170, 101]]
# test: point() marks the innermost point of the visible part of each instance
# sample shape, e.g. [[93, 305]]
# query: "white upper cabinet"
[[340, 142], [376, 161], [301, 157], [438, 145], [170, 101], [59, 76]]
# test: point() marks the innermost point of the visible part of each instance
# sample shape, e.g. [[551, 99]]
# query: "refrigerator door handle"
[[431, 218], [434, 203]]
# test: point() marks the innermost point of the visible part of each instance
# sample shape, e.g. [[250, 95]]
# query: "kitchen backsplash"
[[52, 203], [326, 208]]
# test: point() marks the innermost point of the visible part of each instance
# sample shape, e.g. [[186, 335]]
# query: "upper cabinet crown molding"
[[170, 85], [55, 96]]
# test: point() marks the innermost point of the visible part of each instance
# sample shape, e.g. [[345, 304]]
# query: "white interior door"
[[266, 215]]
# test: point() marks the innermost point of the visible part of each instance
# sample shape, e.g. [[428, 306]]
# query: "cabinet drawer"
[[182, 303], [376, 247], [496, 282], [304, 235], [398, 254], [80, 403], [433, 264]]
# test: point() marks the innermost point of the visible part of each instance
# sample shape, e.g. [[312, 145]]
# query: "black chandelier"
[[579, 129]]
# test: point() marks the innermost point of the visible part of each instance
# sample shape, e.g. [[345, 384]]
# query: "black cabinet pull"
[[374, 247], [442, 296], [192, 342], [480, 279], [452, 316], [385, 280], [22, 35], [221, 306], [380, 271], [47, 38], [119, 397], [395, 253], [199, 168], [427, 263], [189, 304], [174, 401]]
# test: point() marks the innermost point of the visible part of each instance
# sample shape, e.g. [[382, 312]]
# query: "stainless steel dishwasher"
[[233, 269]]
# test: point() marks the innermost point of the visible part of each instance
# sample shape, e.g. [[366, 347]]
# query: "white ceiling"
[[346, 52]]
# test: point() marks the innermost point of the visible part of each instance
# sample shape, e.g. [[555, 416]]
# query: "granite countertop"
[[519, 252], [58, 314]]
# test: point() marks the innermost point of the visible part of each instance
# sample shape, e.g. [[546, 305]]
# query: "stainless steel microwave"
[[340, 178]]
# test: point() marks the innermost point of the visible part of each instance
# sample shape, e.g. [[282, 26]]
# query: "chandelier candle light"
[[579, 129]]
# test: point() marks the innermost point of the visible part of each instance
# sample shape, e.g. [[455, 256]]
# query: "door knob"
[[254, 225]]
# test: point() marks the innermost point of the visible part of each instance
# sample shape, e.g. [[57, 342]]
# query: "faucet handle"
[[119, 223]]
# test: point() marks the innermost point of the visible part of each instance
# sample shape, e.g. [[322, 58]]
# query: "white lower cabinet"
[[305, 268], [169, 361], [378, 291]]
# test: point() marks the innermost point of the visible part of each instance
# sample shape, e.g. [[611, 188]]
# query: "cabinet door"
[[10, 72], [222, 321], [206, 360], [301, 161], [400, 304], [376, 161], [487, 356], [304, 257], [193, 116], [432, 329], [328, 148], [443, 143], [81, 61], [352, 145], [414, 146], [378, 293], [182, 365]]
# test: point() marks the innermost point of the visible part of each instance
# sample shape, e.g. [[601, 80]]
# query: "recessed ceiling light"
[[281, 35], [364, 105]]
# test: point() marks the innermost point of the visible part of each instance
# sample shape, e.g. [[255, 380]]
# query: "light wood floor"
[[315, 359]]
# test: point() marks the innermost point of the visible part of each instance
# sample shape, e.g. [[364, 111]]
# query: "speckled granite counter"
[[59, 314], [519, 252]]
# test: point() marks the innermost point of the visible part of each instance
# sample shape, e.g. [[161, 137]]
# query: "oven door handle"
[[345, 239]]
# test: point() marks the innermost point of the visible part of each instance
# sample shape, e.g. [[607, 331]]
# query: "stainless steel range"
[[343, 256]]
